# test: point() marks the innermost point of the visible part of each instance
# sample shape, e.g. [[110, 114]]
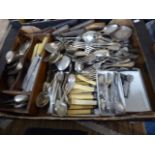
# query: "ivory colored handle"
[[81, 96], [95, 25], [35, 51], [86, 88], [75, 91], [42, 46], [83, 102], [130, 64], [82, 78], [79, 112], [77, 107], [83, 83]]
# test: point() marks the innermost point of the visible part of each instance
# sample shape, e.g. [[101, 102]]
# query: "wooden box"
[[146, 63]]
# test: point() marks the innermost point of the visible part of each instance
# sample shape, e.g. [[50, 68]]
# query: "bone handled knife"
[[85, 88], [82, 78], [88, 96], [79, 112], [78, 107], [83, 102]]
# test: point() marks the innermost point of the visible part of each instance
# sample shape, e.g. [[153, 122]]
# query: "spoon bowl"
[[90, 36], [123, 33], [71, 82], [61, 108], [51, 47], [119, 108], [102, 53], [10, 55], [63, 63], [42, 99], [109, 29], [78, 67], [20, 98]]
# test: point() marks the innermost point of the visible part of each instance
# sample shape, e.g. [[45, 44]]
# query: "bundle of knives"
[[83, 97]]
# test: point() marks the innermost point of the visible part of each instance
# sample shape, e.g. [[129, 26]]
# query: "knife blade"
[[30, 72]]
